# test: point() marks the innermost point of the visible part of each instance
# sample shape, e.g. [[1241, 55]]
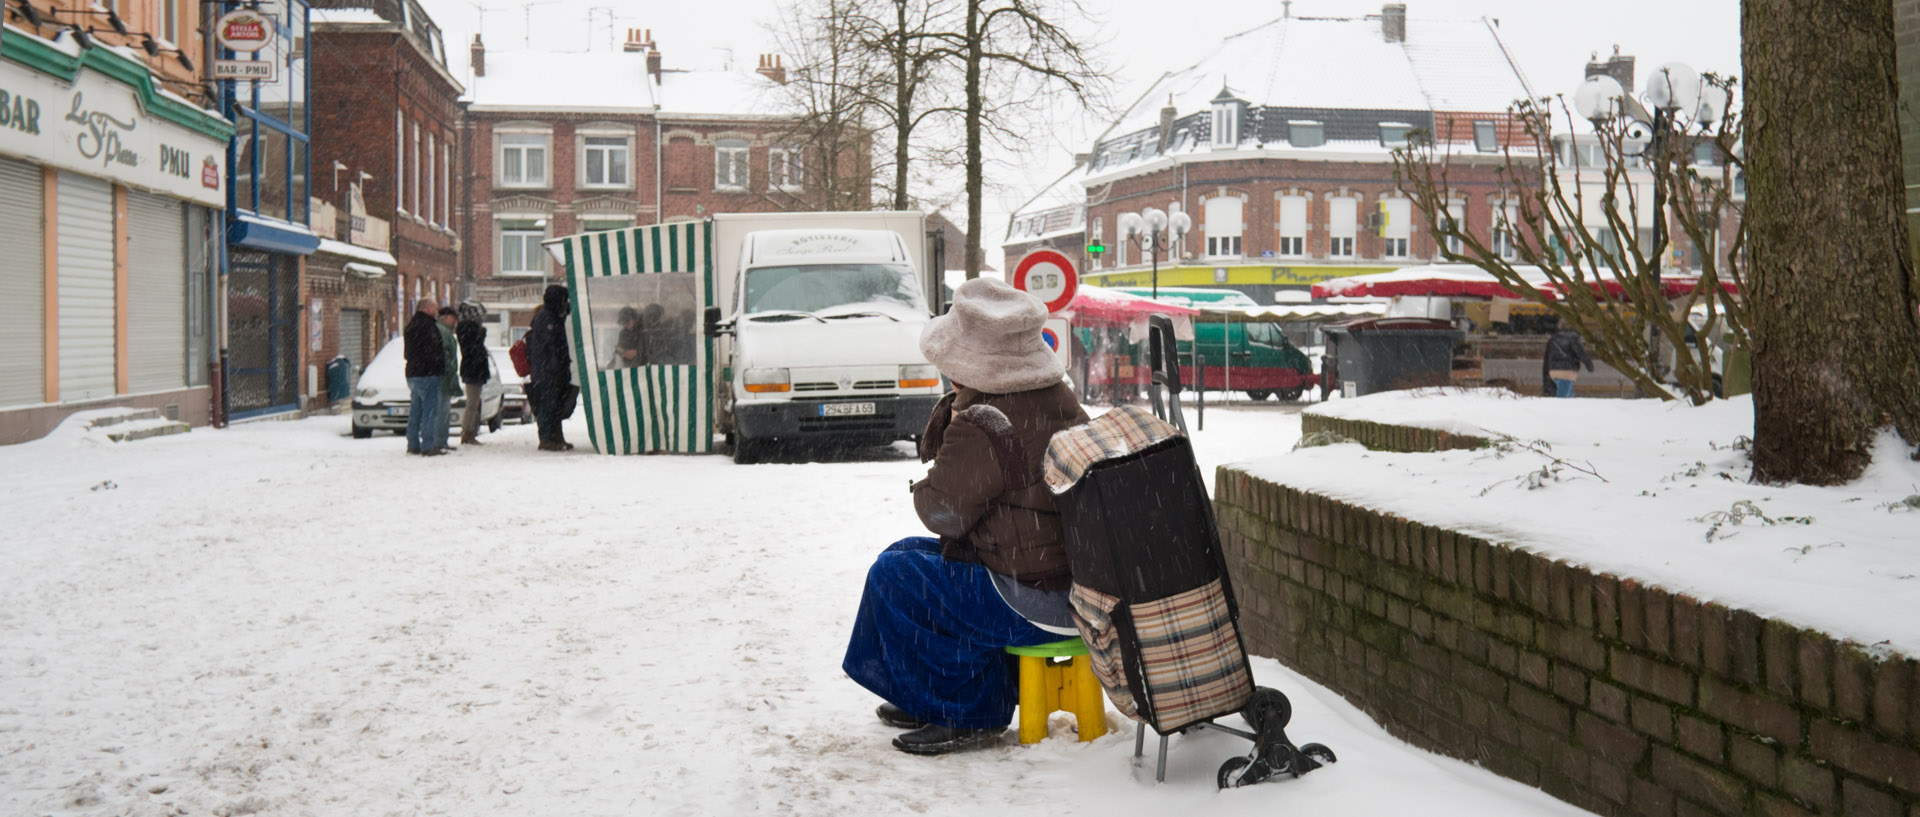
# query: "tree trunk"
[[1834, 331], [902, 101], [976, 171]]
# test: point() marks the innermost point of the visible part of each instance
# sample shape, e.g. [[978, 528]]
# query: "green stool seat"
[[1049, 684]]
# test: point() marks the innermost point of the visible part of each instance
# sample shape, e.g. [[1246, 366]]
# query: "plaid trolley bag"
[[1151, 594]]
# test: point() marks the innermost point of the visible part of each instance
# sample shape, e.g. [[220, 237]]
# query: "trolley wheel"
[[1319, 752], [1230, 775], [1267, 704]]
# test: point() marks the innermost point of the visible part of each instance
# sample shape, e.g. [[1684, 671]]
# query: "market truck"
[[816, 325], [1250, 356]]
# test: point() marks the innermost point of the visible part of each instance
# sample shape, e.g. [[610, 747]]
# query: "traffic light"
[[1094, 247]]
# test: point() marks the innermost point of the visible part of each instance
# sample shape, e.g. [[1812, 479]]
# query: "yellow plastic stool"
[[1048, 686]]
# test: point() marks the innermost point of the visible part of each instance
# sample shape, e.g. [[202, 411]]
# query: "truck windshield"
[[830, 288]]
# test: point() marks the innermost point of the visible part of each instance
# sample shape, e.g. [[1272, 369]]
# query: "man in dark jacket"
[[474, 371], [1565, 354], [426, 364], [936, 614], [550, 381]]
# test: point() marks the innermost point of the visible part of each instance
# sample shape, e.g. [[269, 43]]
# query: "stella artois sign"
[[244, 30]]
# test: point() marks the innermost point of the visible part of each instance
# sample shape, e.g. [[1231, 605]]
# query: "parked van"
[[824, 313], [1252, 357]]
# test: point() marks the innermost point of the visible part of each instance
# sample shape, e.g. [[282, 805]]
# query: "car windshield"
[[829, 289]]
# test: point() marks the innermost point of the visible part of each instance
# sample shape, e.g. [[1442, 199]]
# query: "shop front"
[[110, 192]]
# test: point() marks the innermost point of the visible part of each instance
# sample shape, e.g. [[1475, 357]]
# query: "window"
[[446, 184], [605, 160], [520, 251], [1342, 225], [730, 164], [1609, 243], [1503, 232], [1226, 123], [400, 161], [523, 160], [1394, 134], [1293, 226], [597, 225], [1099, 236], [1223, 225], [413, 197], [1704, 154], [1396, 227], [432, 189], [170, 21], [1447, 237], [1484, 139], [783, 168], [1306, 134]]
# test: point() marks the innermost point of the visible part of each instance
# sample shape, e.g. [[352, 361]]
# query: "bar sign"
[[262, 70]]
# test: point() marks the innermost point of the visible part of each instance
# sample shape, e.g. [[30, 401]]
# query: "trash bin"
[[339, 379], [1384, 354]]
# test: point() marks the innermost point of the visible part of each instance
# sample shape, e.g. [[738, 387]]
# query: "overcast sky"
[[1551, 39]]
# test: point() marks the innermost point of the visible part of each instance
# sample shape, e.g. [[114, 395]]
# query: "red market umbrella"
[[1097, 306], [1432, 280]]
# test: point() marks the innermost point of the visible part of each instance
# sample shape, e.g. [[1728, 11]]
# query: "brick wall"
[[1609, 693], [1389, 437]]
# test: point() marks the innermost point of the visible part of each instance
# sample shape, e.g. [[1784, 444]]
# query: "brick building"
[[1286, 171], [561, 143], [386, 132]]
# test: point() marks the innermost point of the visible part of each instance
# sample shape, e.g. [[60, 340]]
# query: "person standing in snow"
[[936, 614], [474, 372], [549, 381], [1565, 354], [426, 362], [449, 380]]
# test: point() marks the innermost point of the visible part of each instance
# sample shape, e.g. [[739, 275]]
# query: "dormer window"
[[1394, 134], [1485, 139], [1227, 113], [1303, 133]]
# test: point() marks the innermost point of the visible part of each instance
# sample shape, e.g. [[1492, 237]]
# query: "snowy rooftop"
[[1344, 63], [347, 16], [616, 81]]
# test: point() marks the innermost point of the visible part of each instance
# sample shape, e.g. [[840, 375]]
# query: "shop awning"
[[1431, 280], [363, 270], [363, 255]]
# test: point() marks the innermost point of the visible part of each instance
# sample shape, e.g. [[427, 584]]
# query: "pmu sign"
[[1049, 276]]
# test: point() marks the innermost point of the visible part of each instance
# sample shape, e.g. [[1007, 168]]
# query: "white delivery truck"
[[818, 317]]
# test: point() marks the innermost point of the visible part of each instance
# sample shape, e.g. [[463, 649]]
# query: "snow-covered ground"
[[277, 619], [1656, 491]]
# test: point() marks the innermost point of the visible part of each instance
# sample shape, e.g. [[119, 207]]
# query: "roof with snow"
[[1344, 63], [616, 81]]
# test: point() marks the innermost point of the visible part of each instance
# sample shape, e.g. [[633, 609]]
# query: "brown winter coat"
[[986, 511]]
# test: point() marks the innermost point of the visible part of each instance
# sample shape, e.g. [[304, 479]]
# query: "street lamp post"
[[1154, 232], [1679, 99]]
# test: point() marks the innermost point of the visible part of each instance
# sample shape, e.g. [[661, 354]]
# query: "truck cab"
[[825, 341]]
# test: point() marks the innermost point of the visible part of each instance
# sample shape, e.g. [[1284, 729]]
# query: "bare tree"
[[1578, 222], [832, 80], [1835, 304]]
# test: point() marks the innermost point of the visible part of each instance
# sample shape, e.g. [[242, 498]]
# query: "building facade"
[[1288, 177], [645, 145], [111, 191], [386, 128]]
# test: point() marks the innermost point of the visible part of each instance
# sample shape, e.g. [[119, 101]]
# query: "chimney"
[[1617, 66], [634, 44], [1393, 22], [479, 57], [1166, 125], [771, 68], [653, 55]]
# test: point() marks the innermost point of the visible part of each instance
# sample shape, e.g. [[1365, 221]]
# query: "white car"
[[380, 397]]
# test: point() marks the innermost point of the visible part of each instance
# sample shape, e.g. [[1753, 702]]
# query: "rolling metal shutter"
[[353, 337], [86, 287], [156, 293], [22, 285]]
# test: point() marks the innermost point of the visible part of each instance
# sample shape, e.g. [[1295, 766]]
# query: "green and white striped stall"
[[645, 383]]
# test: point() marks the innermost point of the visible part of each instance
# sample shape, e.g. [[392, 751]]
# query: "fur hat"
[[990, 340]]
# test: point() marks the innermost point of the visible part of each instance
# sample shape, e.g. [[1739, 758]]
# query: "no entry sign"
[[1049, 276]]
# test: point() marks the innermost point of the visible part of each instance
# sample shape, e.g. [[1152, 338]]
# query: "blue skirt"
[[930, 637]]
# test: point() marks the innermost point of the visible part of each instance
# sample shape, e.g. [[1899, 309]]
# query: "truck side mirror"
[[712, 316]]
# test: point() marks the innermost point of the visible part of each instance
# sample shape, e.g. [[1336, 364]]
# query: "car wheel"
[[1290, 394], [362, 432], [1258, 394]]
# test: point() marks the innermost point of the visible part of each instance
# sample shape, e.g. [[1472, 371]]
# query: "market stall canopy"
[[1671, 287], [1099, 306], [1431, 280], [1291, 313]]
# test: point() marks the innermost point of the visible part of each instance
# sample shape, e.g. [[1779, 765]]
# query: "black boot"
[[934, 739], [898, 718]]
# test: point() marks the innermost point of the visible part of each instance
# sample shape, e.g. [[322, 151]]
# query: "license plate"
[[396, 411], [845, 409]]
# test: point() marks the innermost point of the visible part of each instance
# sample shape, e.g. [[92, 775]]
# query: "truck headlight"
[[367, 392], [763, 381], [919, 376]]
